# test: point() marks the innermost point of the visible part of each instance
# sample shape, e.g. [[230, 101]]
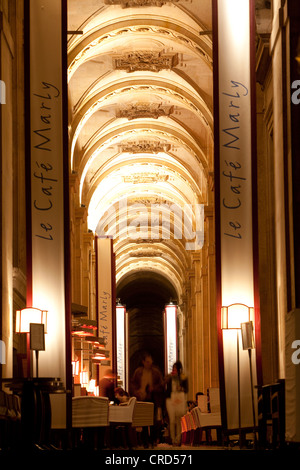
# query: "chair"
[[120, 418], [143, 416], [89, 416], [208, 421], [271, 415], [3, 420], [184, 435]]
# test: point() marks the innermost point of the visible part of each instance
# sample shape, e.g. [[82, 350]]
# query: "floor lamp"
[[248, 344], [232, 318], [24, 319]]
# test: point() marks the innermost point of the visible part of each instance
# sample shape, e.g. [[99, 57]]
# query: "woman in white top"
[[176, 388]]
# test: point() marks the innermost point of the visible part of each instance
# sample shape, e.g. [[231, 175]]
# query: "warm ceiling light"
[[30, 315], [99, 357], [80, 331]]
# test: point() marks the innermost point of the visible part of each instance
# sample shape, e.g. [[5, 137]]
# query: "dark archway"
[[145, 295]]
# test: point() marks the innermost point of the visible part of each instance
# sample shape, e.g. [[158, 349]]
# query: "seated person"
[[121, 396], [191, 404]]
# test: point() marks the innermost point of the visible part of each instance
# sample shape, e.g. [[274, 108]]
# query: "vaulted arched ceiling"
[[140, 127]]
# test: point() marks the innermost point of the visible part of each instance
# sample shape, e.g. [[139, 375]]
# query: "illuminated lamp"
[[26, 317], [232, 318], [235, 314], [84, 377], [249, 344], [170, 325], [95, 341], [84, 328], [75, 368], [99, 357], [121, 341], [82, 332], [91, 386], [30, 315]]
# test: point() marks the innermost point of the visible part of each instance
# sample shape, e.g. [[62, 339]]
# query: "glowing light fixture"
[[121, 341], [99, 355], [75, 368], [232, 318], [24, 318], [84, 377], [170, 321], [30, 315], [249, 344], [235, 314]]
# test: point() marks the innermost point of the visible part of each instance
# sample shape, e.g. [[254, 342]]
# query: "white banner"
[[47, 179], [170, 317], [235, 152], [105, 299], [234, 137]]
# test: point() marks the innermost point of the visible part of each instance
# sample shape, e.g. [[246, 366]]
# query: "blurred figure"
[[176, 388], [107, 385], [147, 385], [121, 396], [191, 404]]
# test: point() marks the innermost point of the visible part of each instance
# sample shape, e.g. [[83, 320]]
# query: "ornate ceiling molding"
[[136, 147], [139, 3], [90, 46], [145, 61], [144, 111], [164, 132], [99, 100]]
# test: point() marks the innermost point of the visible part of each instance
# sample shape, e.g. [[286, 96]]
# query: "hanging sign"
[[234, 150], [46, 227], [106, 301]]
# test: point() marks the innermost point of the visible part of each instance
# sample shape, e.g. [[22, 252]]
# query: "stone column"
[[6, 195], [211, 297], [87, 275], [197, 325], [77, 268]]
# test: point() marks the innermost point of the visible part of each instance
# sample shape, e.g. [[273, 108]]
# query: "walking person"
[[176, 388], [147, 385]]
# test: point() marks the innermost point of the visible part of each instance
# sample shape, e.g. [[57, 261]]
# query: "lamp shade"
[[84, 377], [75, 368], [170, 324], [235, 314], [247, 335], [30, 315], [121, 341]]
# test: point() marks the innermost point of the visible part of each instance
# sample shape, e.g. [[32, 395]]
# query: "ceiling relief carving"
[[141, 126], [144, 110], [139, 3], [138, 178], [80, 54], [145, 60], [151, 201], [145, 253], [144, 147], [150, 240]]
